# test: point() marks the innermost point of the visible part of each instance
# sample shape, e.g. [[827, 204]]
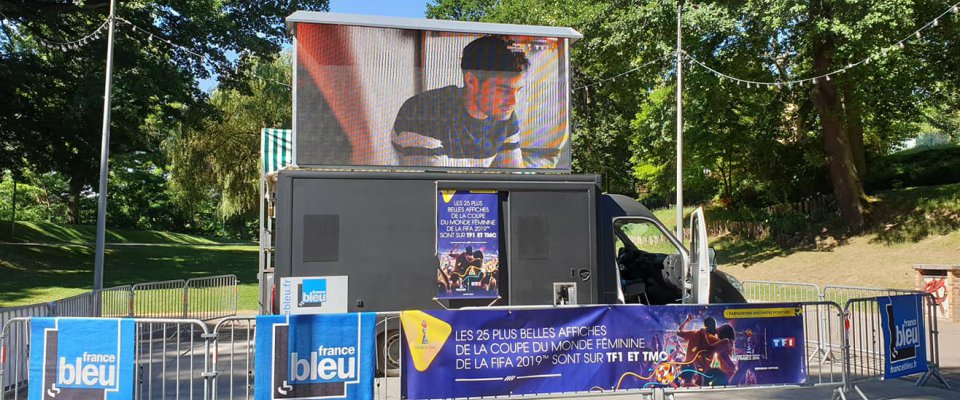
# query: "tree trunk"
[[73, 217], [840, 164], [854, 121]]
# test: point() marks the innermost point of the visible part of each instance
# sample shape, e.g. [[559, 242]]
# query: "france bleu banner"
[[82, 358], [472, 353], [468, 244], [901, 320], [328, 356]]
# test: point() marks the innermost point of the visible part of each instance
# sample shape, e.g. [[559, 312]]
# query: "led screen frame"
[[337, 126]]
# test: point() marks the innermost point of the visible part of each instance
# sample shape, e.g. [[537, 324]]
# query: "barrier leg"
[[934, 371], [658, 394], [862, 396], [838, 394]]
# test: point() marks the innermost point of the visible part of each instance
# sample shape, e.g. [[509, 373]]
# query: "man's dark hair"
[[710, 324], [493, 53], [468, 250], [725, 331]]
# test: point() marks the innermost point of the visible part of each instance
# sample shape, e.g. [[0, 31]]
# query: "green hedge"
[[918, 167]]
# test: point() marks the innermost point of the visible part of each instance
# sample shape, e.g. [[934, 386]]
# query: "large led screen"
[[415, 99]]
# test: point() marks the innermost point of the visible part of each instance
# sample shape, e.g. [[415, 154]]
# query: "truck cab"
[[652, 265]]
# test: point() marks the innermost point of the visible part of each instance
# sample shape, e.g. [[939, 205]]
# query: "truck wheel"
[[388, 353], [723, 290]]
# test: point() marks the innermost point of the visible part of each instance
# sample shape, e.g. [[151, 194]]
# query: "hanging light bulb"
[[955, 9], [918, 34], [900, 44], [828, 78], [936, 22]]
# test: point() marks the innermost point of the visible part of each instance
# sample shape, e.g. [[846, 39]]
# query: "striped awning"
[[277, 149]]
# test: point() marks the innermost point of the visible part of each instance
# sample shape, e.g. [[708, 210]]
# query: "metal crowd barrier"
[[234, 357], [170, 360], [205, 299], [164, 299], [864, 349], [15, 346], [783, 292], [181, 358], [211, 297], [779, 292], [840, 294]]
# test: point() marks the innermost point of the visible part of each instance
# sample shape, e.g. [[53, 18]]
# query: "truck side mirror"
[[713, 259]]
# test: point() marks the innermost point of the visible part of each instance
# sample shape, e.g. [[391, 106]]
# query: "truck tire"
[[388, 353], [723, 290]]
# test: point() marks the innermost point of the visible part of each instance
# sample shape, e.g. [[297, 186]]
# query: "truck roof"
[[316, 17], [625, 206]]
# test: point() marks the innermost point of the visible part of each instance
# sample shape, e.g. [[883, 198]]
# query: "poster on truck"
[[468, 244], [480, 353]]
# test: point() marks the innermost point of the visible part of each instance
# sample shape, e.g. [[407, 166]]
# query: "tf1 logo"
[[784, 343]]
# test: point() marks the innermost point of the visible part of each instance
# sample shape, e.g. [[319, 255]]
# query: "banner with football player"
[[473, 353]]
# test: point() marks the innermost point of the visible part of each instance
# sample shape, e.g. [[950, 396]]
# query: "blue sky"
[[390, 8]]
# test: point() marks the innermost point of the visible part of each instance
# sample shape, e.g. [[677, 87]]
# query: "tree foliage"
[[51, 99], [219, 157], [746, 146]]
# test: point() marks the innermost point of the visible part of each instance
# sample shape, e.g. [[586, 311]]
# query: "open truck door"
[[697, 267]]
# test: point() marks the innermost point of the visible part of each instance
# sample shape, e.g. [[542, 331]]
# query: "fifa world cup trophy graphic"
[[423, 324]]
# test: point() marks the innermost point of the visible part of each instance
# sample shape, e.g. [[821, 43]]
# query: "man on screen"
[[473, 126]]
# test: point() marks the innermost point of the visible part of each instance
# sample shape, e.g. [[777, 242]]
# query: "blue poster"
[[901, 321], [328, 356], [82, 358], [468, 244], [472, 353]]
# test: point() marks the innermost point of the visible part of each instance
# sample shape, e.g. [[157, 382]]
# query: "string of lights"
[[76, 44], [91, 37], [614, 77], [883, 52]]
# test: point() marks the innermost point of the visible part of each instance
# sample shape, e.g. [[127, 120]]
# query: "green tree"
[[52, 98], [747, 145], [219, 157]]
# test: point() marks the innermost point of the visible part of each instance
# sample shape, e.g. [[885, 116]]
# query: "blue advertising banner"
[[325, 356], [82, 358], [472, 353], [901, 320], [468, 244]]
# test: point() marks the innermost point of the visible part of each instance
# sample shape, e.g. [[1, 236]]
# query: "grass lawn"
[[44, 232], [861, 261], [910, 226], [59, 268]]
